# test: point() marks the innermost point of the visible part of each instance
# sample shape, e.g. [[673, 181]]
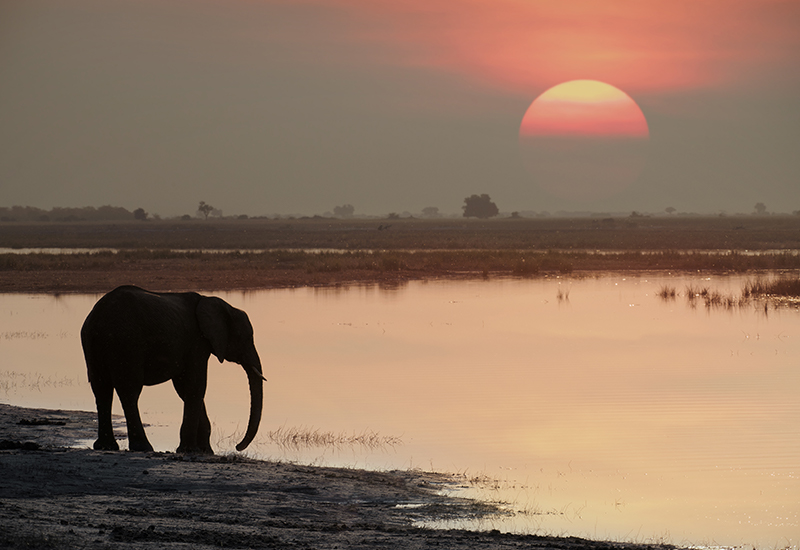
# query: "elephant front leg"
[[195, 428]]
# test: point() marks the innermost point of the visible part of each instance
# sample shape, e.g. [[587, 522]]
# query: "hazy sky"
[[297, 106]]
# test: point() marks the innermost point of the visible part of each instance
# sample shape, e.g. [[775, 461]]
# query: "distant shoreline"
[[282, 254]]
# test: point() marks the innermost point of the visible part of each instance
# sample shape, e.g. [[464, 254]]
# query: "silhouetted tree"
[[669, 210], [140, 214], [205, 209], [761, 208], [431, 212], [344, 211], [479, 206]]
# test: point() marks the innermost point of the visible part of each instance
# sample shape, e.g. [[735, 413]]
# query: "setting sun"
[[584, 108], [583, 140]]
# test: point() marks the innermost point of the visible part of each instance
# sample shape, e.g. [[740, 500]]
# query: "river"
[[590, 407]]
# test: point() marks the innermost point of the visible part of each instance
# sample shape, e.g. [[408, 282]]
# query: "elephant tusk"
[[255, 372]]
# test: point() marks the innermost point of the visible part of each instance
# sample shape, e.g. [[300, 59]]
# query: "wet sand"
[[55, 496]]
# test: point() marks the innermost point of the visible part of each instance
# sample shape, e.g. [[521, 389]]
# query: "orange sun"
[[584, 140]]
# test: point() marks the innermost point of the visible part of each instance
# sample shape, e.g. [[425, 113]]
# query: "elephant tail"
[[88, 355]]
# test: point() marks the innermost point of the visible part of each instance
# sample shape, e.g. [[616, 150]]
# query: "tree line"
[[64, 214]]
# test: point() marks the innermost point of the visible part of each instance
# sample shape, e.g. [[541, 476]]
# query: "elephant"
[[134, 338]]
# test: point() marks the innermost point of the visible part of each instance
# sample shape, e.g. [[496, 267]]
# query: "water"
[[592, 407]]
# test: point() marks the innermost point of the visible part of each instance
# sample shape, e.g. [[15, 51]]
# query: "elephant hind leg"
[[103, 397], [137, 439]]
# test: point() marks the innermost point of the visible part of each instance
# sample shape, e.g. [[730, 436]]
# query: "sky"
[[264, 107]]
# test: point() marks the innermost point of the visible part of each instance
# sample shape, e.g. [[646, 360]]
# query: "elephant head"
[[230, 334]]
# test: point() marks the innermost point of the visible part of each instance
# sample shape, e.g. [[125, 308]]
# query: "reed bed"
[[784, 287], [780, 292]]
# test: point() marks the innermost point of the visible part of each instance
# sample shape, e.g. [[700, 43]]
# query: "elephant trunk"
[[256, 380]]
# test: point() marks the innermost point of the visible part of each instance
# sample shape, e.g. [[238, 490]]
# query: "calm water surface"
[[592, 407]]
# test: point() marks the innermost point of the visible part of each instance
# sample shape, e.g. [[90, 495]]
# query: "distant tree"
[[344, 211], [109, 212], [205, 209], [670, 210], [515, 214], [761, 208], [431, 212], [139, 214], [479, 206], [393, 216]]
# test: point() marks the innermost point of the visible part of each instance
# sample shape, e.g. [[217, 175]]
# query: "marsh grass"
[[304, 438], [712, 298], [760, 293], [667, 292], [784, 287], [12, 382]]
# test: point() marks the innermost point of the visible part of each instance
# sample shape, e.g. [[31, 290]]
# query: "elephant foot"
[[140, 446], [106, 445], [185, 449]]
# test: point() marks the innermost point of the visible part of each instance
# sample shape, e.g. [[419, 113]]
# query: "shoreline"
[[267, 254], [52, 496]]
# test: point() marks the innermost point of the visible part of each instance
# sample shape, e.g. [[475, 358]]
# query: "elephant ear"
[[213, 317]]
